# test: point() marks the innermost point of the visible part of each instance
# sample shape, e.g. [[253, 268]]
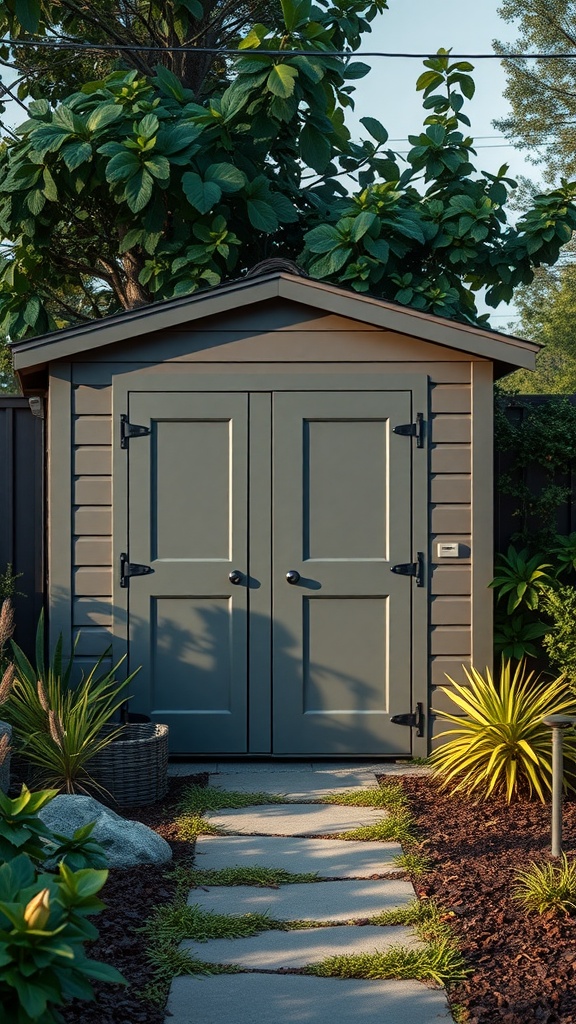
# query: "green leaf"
[[377, 131], [315, 149], [202, 195], [74, 154], [32, 311], [148, 126], [28, 13], [122, 166], [103, 115], [50, 190], [168, 83], [362, 224], [158, 166], [195, 8], [356, 70], [138, 190], [262, 216], [281, 80], [226, 176], [35, 201]]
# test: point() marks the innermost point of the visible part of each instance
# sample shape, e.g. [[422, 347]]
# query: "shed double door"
[[233, 495]]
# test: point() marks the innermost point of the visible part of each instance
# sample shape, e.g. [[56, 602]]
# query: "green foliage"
[[8, 580], [542, 436], [257, 876], [547, 888], [58, 726], [23, 832], [415, 863], [440, 962], [521, 578], [173, 923], [198, 799], [135, 187], [499, 745], [390, 795], [564, 554], [398, 826], [513, 637], [43, 928], [560, 639]]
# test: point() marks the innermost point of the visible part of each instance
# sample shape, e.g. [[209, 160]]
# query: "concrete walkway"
[[355, 888]]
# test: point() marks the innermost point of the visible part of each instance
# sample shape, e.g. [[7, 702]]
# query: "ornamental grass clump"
[[547, 888], [499, 745]]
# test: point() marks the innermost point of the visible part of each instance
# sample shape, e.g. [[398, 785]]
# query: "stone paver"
[[312, 901], [329, 858], [266, 768], [297, 999], [294, 819], [275, 950]]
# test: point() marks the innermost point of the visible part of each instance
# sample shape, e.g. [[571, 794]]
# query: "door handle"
[[292, 576], [236, 577]]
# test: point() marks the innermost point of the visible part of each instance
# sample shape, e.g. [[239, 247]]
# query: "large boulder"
[[5, 730], [125, 842]]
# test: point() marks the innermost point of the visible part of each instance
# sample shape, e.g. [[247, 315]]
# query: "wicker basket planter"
[[133, 768]]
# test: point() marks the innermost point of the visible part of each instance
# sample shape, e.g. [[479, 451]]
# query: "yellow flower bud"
[[37, 910]]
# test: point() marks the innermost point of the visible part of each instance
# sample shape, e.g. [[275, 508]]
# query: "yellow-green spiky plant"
[[499, 744]]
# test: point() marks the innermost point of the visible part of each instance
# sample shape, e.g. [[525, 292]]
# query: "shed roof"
[[508, 351]]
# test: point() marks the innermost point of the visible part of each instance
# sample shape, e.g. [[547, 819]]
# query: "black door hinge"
[[413, 429], [128, 569], [128, 430], [415, 569], [415, 719]]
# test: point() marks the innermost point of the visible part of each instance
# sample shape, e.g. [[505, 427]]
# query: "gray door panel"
[[188, 520], [341, 518]]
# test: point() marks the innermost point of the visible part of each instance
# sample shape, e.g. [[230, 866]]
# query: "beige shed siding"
[[92, 522], [322, 345]]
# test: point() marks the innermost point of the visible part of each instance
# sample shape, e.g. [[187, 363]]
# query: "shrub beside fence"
[[22, 510]]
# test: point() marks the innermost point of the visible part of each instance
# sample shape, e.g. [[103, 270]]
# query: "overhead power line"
[[234, 51]]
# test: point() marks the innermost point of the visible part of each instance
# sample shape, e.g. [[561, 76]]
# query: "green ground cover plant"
[[439, 961], [197, 800], [389, 796], [498, 745], [58, 725], [250, 876], [547, 888]]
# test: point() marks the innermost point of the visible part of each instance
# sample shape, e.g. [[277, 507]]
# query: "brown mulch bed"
[[523, 965]]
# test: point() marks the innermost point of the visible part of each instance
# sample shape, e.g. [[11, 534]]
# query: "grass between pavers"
[[197, 800], [440, 961], [390, 796], [258, 876]]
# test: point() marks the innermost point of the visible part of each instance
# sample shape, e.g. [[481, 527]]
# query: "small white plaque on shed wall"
[[448, 550]]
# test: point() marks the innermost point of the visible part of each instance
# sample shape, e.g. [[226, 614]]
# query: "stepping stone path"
[[356, 888]]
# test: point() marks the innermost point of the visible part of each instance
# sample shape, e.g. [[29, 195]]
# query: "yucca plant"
[[499, 744], [58, 725]]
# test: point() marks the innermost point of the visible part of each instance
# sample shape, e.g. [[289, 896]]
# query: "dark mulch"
[[130, 896], [524, 966]]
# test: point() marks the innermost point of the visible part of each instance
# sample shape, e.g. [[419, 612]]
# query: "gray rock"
[[126, 843], [5, 730]]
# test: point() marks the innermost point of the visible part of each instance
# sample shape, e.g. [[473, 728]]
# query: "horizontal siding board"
[[451, 429], [83, 665], [451, 519], [451, 580], [93, 520], [93, 430], [454, 640], [93, 490], [93, 551], [92, 641], [451, 488], [93, 460], [442, 667], [451, 611], [95, 401], [449, 458], [92, 373], [92, 581], [90, 611], [450, 399]]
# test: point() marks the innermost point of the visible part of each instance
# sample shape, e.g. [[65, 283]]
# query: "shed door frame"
[[264, 383]]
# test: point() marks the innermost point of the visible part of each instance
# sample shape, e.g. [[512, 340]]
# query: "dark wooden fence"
[[22, 510], [506, 524]]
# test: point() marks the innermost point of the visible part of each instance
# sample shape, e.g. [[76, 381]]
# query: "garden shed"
[[276, 497]]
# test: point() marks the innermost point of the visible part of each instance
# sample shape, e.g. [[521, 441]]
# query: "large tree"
[[542, 93], [135, 187]]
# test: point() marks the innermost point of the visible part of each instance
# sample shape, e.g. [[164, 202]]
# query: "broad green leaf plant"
[[43, 929], [58, 725], [498, 745], [135, 188]]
